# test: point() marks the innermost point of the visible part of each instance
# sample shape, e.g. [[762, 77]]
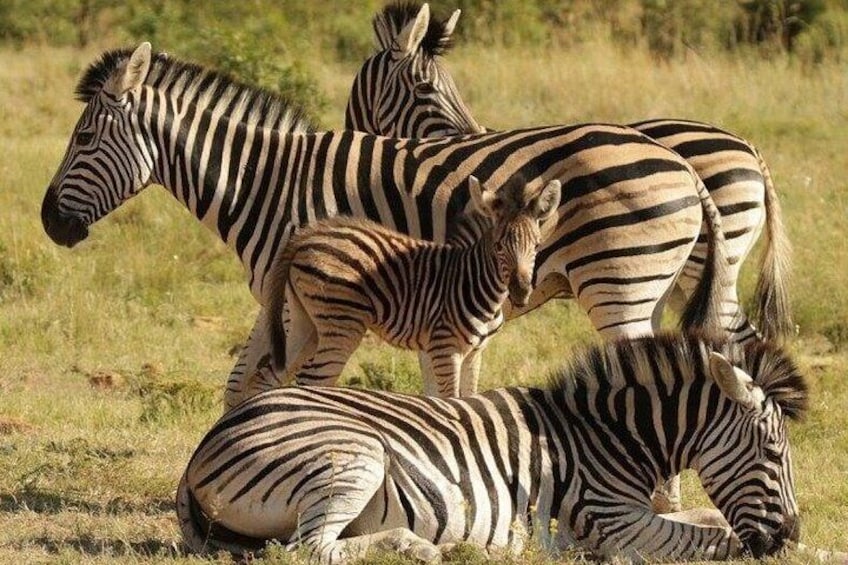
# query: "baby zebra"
[[345, 276], [339, 470]]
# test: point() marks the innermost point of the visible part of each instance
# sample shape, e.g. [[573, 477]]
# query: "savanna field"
[[114, 354]]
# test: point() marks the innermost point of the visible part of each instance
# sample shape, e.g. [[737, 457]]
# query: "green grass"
[[115, 353]]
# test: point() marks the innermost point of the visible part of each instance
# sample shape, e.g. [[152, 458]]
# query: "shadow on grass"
[[48, 502], [89, 545]]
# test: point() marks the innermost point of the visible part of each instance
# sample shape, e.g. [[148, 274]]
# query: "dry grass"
[[114, 354]]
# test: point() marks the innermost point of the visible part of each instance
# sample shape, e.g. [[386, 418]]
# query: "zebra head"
[[106, 161], [516, 215], [746, 466], [403, 90]]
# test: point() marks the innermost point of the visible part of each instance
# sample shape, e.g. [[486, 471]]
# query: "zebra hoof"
[[416, 548]]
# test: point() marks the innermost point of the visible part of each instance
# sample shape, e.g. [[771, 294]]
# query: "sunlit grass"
[[113, 355]]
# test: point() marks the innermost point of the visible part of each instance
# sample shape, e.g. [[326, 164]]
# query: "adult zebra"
[[339, 470], [401, 83], [240, 161]]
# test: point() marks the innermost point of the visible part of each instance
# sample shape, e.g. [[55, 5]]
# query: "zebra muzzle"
[[61, 228]]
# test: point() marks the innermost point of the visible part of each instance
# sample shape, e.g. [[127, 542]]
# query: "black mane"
[[397, 14], [274, 110], [769, 366], [96, 75]]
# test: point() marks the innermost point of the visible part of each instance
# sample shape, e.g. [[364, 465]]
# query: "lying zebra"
[[345, 276], [339, 470]]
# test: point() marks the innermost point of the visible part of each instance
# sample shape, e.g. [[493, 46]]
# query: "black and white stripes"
[[345, 276], [338, 470], [735, 174], [251, 171]]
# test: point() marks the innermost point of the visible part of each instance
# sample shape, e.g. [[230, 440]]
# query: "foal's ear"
[[734, 382], [484, 200], [547, 201], [450, 25], [412, 34], [132, 74]]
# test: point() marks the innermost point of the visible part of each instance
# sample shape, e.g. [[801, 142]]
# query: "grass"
[[114, 354]]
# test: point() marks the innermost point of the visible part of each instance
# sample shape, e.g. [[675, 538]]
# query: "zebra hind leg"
[[344, 497], [338, 334]]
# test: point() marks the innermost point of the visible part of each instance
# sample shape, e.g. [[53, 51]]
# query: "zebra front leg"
[[447, 368], [637, 533], [470, 372]]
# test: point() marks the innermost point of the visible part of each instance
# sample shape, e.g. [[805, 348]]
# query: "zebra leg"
[[447, 368], [255, 354], [342, 492], [470, 372], [338, 336], [636, 533], [428, 380], [666, 497]]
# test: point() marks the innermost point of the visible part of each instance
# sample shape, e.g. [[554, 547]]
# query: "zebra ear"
[[734, 382], [450, 25], [411, 36], [547, 201], [483, 198], [135, 71]]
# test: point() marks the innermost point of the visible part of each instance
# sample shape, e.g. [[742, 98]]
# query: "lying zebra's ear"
[[411, 36], [482, 198], [547, 201], [734, 382], [134, 72]]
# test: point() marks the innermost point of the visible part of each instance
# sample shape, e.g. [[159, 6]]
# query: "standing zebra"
[[349, 275], [252, 171], [338, 470], [398, 84]]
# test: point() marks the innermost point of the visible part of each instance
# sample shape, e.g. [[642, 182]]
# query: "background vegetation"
[[113, 355]]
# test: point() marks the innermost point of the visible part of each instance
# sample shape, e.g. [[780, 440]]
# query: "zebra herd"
[[329, 228]]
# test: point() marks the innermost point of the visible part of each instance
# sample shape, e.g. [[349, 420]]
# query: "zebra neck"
[[253, 186]]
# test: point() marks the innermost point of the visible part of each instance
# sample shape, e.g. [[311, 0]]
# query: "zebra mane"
[[388, 24], [269, 108], [622, 363]]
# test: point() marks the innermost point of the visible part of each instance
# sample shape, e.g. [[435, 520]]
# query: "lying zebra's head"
[[107, 161], [745, 464], [515, 214], [403, 90]]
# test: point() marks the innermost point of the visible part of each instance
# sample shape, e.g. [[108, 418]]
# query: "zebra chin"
[[61, 228]]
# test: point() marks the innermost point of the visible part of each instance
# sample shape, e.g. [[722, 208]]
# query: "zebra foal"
[[346, 276], [339, 470]]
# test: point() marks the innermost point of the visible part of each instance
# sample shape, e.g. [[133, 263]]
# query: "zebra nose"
[[61, 228], [791, 529]]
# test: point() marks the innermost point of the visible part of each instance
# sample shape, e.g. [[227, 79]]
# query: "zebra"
[[732, 169], [338, 470], [253, 169], [349, 275]]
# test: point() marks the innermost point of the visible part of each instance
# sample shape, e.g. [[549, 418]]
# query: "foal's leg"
[[470, 372], [446, 363], [339, 332]]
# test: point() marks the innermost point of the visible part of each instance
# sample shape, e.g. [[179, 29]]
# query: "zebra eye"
[[424, 88], [84, 137]]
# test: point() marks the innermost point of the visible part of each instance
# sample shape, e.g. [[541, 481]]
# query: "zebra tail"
[[772, 308], [203, 535], [703, 310], [276, 304]]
